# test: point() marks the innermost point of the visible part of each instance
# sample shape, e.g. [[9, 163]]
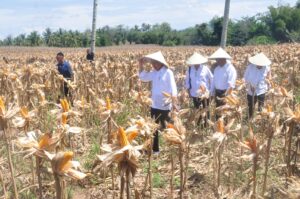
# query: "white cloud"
[[71, 17]]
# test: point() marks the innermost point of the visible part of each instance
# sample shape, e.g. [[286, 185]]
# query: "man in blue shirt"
[[64, 68]]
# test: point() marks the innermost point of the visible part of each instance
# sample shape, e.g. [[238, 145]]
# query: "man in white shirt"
[[163, 81], [198, 82], [224, 76], [255, 77]]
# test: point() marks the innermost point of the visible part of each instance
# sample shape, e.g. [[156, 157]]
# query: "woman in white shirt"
[[256, 74], [198, 82], [163, 81]]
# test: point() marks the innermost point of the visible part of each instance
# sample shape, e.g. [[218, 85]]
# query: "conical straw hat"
[[195, 59], [220, 54], [157, 56], [260, 60]]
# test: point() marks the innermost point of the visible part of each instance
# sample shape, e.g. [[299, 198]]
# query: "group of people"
[[218, 81]]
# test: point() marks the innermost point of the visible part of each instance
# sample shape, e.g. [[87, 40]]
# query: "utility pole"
[[225, 24], [93, 37]]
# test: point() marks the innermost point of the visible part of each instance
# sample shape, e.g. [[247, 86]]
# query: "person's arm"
[[246, 74], [212, 87], [231, 78], [268, 77], [174, 92], [247, 79], [70, 70], [213, 67], [209, 78], [269, 74], [187, 82], [144, 75]]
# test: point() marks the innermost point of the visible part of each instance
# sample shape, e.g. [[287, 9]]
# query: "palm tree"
[[225, 23], [47, 35]]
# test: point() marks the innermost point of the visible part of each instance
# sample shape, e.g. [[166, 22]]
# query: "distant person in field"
[[65, 69], [162, 80], [256, 76], [198, 82], [89, 55], [5, 60], [224, 76]]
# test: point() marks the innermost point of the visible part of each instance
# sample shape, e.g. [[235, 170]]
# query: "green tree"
[[103, 36], [47, 36], [119, 35], [261, 40], [34, 39], [145, 27], [20, 40], [8, 41], [216, 24], [86, 38], [134, 35], [280, 21], [203, 35], [297, 4]]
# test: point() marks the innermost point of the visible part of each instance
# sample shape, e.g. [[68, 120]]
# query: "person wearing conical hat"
[[256, 75], [224, 76], [198, 82], [163, 81]]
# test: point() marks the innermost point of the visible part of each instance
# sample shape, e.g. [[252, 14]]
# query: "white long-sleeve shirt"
[[256, 78], [162, 81], [197, 77], [224, 77]]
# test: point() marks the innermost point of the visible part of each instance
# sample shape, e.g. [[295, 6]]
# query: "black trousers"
[[66, 93], [252, 101], [66, 90], [219, 102], [201, 104], [161, 117]]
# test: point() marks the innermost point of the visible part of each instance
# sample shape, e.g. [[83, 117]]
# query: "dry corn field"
[[99, 146]]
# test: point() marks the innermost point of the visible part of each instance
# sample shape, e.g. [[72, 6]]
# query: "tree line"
[[278, 25]]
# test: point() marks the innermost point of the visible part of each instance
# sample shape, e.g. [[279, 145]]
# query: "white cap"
[[220, 54], [157, 56], [260, 60], [195, 59]]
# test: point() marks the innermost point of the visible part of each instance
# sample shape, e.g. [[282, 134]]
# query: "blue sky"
[[24, 16]]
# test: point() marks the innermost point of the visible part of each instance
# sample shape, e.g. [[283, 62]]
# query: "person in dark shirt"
[[89, 55], [65, 69]]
